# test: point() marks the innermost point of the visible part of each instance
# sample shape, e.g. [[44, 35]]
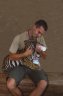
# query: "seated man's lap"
[[19, 73]]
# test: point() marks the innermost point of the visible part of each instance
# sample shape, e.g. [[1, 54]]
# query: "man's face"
[[39, 31]]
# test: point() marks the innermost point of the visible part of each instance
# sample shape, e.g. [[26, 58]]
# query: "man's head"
[[39, 28]]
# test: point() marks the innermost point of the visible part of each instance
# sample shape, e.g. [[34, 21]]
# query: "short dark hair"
[[42, 23]]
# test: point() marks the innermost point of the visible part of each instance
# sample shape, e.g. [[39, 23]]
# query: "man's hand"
[[43, 54], [28, 52], [40, 51]]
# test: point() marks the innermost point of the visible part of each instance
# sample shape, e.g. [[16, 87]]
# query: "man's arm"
[[16, 56]]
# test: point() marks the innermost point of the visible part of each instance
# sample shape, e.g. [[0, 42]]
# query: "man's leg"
[[11, 85], [15, 76], [38, 91], [40, 79]]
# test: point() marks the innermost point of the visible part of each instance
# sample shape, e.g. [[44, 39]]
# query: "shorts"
[[20, 72]]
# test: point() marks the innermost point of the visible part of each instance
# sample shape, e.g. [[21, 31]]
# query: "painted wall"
[[17, 15]]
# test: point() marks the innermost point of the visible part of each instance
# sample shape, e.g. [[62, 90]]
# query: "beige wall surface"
[[17, 15]]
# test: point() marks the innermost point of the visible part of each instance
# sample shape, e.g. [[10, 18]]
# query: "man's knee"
[[11, 84], [42, 84]]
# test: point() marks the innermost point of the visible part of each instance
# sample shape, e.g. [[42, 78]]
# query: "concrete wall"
[[17, 15]]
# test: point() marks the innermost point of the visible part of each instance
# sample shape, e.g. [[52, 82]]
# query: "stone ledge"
[[55, 78]]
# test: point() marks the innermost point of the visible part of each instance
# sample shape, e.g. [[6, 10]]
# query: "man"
[[38, 76]]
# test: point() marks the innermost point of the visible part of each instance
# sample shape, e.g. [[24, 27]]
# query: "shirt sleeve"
[[15, 45]]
